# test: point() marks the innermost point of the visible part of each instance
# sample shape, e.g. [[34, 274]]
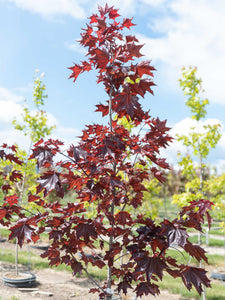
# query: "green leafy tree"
[[216, 190], [35, 123], [199, 141], [35, 126]]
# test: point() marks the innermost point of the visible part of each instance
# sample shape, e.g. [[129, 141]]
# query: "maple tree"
[[107, 169]]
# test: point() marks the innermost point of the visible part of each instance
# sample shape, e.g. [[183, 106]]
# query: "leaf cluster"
[[199, 142], [34, 123]]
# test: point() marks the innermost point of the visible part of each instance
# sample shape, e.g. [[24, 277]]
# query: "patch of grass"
[[216, 231], [183, 257], [4, 232], [212, 242], [25, 258], [34, 261], [215, 260], [176, 286], [172, 285], [11, 298]]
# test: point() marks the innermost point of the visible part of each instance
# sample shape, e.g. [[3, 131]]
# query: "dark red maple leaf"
[[101, 23], [124, 286], [100, 58], [87, 40], [22, 230], [104, 109], [53, 256], [128, 23], [113, 13], [123, 218], [142, 87], [2, 154], [133, 49], [3, 212], [204, 206], [86, 231], [131, 38], [144, 67], [104, 10], [174, 235], [195, 251], [146, 288], [127, 104], [194, 214], [78, 69], [105, 150], [76, 266], [44, 156], [77, 153], [195, 276], [158, 174], [13, 158], [6, 188], [11, 200], [151, 265], [50, 181], [32, 198], [15, 176]]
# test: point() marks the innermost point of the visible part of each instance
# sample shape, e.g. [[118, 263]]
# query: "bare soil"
[[60, 286]]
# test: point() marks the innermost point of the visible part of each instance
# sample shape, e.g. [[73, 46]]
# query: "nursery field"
[[61, 285], [113, 209], [58, 283]]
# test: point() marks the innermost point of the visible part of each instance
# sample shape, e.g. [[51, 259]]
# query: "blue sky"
[[42, 35]]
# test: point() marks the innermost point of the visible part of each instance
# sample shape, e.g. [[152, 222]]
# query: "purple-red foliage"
[[102, 170]]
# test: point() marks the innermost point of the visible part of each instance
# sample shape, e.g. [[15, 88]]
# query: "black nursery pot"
[[22, 280]]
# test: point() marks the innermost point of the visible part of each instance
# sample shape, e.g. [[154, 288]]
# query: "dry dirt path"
[[63, 287]]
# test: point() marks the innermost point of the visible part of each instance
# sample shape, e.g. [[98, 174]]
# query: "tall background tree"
[[201, 139], [34, 125]]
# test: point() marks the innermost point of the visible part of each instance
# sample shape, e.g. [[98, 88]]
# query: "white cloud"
[[9, 110], [10, 106], [125, 6], [153, 2], [193, 34], [183, 128], [11, 136], [67, 135], [220, 166], [6, 95], [222, 141], [49, 8], [75, 47]]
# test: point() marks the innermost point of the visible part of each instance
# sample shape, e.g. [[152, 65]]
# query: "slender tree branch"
[[93, 280], [89, 276]]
